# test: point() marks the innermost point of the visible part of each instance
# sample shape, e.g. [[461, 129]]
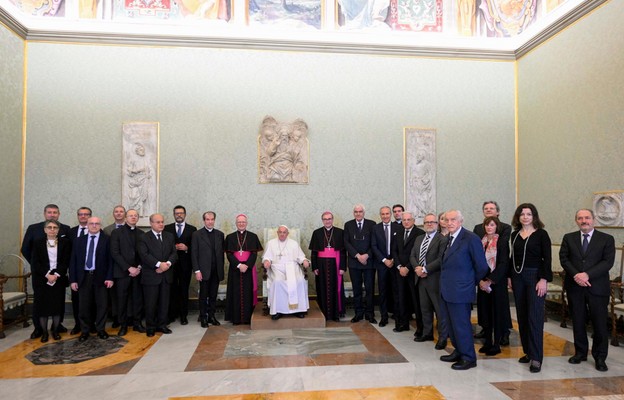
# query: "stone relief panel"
[[283, 151], [420, 172], [139, 182], [609, 208]]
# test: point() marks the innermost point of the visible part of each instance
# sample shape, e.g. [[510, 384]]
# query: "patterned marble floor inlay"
[[579, 388], [355, 344], [71, 351], [387, 393], [290, 342]]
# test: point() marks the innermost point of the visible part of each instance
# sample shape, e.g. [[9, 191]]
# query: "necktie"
[[360, 226], [82, 231], [406, 235], [585, 242], [119, 226], [158, 236], [448, 246], [90, 252], [179, 230], [387, 233], [423, 251]]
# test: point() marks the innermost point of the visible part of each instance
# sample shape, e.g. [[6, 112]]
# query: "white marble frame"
[[139, 168], [609, 209], [420, 171]]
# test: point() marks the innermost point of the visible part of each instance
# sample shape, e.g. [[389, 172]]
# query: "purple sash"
[[333, 253], [242, 257]]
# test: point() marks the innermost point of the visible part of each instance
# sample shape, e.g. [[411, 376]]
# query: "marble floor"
[[342, 361]]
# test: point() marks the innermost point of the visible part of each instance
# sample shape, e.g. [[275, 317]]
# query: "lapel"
[[205, 236], [455, 244]]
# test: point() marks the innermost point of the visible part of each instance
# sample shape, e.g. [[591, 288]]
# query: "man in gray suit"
[[158, 255], [119, 215], [208, 259], [426, 257]]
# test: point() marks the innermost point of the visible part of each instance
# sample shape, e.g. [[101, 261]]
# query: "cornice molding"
[[106, 34]]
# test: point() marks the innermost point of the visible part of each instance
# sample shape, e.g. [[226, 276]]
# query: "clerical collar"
[[209, 230], [329, 229], [241, 232]]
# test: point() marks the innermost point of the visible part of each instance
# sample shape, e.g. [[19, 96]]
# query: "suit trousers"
[[208, 290], [156, 304], [493, 308], [129, 300], [361, 276], [180, 291], [91, 293], [430, 303], [583, 306], [530, 312], [384, 283], [457, 316]]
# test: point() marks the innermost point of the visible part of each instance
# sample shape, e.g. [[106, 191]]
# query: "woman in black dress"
[[50, 261], [493, 298], [530, 273]]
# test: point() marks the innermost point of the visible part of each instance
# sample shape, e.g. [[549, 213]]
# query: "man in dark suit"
[[83, 214], [126, 271], [383, 236], [208, 258], [405, 294], [490, 208], [426, 257], [463, 266], [358, 241], [587, 256], [158, 255], [34, 232], [183, 232], [91, 275]]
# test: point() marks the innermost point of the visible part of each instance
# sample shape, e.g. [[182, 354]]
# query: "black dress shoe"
[[524, 359], [61, 329], [56, 335], [372, 320], [505, 339], [463, 365], [441, 345], [165, 330], [92, 329], [453, 357], [577, 358], [492, 351], [214, 321], [357, 318], [102, 335], [83, 337], [535, 366], [204, 323], [383, 322], [138, 328], [601, 365], [276, 316], [116, 324], [149, 332], [183, 321], [300, 315], [75, 330], [484, 349], [36, 334], [424, 338], [480, 335], [401, 329], [122, 331], [44, 337]]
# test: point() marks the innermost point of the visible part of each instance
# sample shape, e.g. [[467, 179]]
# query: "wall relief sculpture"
[[283, 151], [139, 182], [420, 172], [609, 209]]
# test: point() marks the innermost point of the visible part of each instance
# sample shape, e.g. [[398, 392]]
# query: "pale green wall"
[[571, 97], [11, 100], [210, 103]]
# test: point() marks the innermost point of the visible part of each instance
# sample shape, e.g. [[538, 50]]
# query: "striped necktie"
[[423, 251]]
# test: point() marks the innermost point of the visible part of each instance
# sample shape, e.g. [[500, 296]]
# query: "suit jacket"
[[403, 248], [596, 262], [110, 228], [357, 242], [184, 257], [151, 251], [501, 272], [379, 243], [41, 262], [463, 266], [433, 257], [202, 253], [503, 235], [124, 242], [73, 232], [103, 260], [34, 232]]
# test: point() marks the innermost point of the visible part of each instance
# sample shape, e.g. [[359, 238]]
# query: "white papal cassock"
[[288, 289]]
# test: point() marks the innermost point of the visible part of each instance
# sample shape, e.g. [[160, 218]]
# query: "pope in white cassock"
[[288, 289]]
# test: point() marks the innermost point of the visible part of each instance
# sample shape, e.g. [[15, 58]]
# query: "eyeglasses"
[[84, 214], [430, 222], [327, 219]]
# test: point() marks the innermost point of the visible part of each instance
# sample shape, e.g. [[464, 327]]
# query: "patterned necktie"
[[585, 242], [360, 226], [423, 251], [90, 252], [179, 230]]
